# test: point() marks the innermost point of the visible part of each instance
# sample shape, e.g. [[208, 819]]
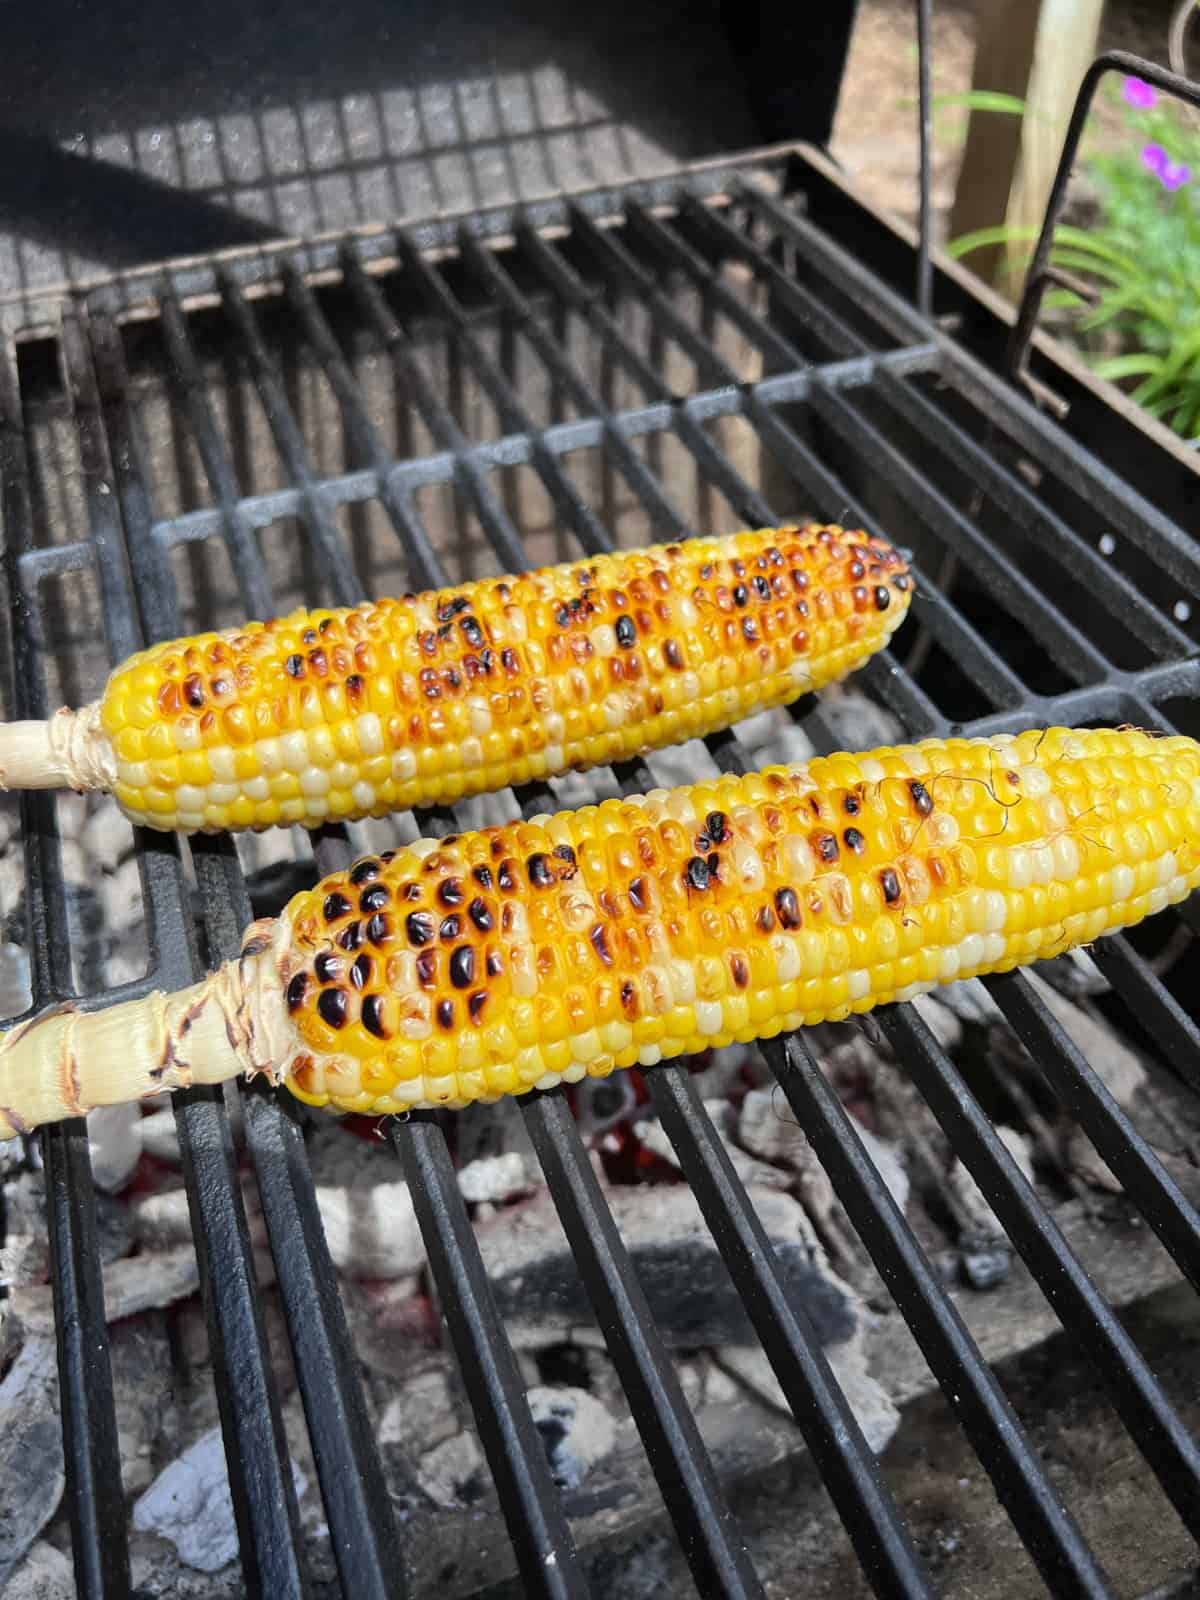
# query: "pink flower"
[[1138, 94], [1171, 174]]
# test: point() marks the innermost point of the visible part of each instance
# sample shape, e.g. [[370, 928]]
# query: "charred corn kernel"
[[458, 691], [641, 929]]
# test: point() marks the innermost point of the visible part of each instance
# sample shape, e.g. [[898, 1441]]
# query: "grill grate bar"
[[314, 507], [852, 1476], [91, 1456], [539, 1532], [359, 427], [988, 1419], [1169, 1449], [468, 471], [664, 516], [714, 465], [709, 1535], [1146, 996], [349, 1470], [565, 496], [218, 467], [1081, 1091]]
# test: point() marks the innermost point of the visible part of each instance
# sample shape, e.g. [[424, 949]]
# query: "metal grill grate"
[[602, 351]]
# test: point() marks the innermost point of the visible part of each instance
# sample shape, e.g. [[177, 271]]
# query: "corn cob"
[[518, 957], [334, 715]]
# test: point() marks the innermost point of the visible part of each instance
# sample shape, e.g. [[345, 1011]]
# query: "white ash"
[[1114, 1063], [496, 1159], [494, 1179], [454, 1473], [25, 1253], [857, 722], [160, 1135], [945, 1025], [874, 1410], [724, 1117], [726, 1072], [421, 1414], [44, 1574], [971, 1196], [190, 1504], [114, 1145], [32, 1474], [16, 989], [392, 1325], [577, 1431]]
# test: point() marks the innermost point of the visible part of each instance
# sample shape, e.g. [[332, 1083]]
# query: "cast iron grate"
[[681, 319]]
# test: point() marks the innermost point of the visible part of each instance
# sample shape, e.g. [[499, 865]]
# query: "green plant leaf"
[[983, 100], [1134, 365], [1002, 233]]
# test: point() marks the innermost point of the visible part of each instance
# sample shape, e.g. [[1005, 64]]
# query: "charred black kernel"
[[706, 571], [762, 588], [599, 938], [450, 892], [890, 884], [567, 856], [296, 990], [420, 927], [476, 1003], [379, 929], [508, 660], [429, 683], [387, 855], [749, 630], [372, 1016], [854, 841], [826, 846], [472, 632], [637, 893], [562, 616], [541, 873], [336, 905], [428, 642], [738, 567], [374, 898], [462, 967], [351, 936], [774, 557], [325, 625], [901, 582], [739, 970], [327, 967], [629, 998], [626, 631], [483, 877], [411, 891], [360, 972], [851, 805], [364, 871], [452, 678], [494, 964], [697, 872], [320, 661], [787, 907], [857, 571], [308, 636], [445, 1014], [713, 863], [673, 654], [702, 844], [883, 597], [427, 969], [814, 804], [451, 608], [740, 595], [921, 797], [294, 666], [716, 824], [332, 1007], [451, 927], [765, 919], [504, 876], [481, 916], [355, 686]]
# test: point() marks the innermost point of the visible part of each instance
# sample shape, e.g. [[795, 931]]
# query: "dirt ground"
[[875, 136]]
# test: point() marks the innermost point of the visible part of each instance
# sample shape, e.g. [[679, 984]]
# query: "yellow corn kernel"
[[571, 966], [504, 680]]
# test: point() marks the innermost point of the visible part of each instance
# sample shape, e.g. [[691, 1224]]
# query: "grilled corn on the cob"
[[518, 957], [331, 715]]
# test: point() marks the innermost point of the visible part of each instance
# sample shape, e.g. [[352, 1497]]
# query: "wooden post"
[[1039, 51]]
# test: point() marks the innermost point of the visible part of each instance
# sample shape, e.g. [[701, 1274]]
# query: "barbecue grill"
[[727, 344]]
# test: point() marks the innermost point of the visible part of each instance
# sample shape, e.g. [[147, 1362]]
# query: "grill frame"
[[126, 548]]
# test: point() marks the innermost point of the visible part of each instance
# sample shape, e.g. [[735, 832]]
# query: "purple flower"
[[1171, 174], [1138, 94]]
